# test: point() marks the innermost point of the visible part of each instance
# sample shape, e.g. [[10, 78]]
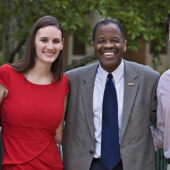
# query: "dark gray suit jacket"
[[139, 109]]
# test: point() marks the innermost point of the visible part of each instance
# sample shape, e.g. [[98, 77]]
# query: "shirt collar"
[[117, 74]]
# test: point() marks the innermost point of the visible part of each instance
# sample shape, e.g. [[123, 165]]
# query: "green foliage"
[[141, 19], [1, 61], [17, 17]]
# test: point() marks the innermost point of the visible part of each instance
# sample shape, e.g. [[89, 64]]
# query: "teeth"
[[49, 54], [108, 53]]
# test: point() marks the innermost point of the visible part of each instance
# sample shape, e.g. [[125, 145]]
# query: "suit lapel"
[[87, 87], [130, 89]]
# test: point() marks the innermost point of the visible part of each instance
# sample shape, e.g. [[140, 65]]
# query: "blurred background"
[[143, 22]]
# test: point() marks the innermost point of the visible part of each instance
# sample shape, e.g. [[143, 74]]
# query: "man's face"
[[109, 46]]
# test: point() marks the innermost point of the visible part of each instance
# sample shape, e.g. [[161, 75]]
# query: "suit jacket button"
[[91, 152]]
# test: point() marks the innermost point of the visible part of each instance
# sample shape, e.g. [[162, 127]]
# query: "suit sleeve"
[[154, 102]]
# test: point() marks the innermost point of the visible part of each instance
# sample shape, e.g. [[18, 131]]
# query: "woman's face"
[[48, 44]]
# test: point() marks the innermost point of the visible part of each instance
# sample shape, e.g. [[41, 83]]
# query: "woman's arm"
[[59, 131], [3, 92]]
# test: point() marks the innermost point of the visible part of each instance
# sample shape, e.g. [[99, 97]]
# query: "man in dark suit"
[[86, 131]]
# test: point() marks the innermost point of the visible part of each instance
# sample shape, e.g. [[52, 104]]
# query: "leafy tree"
[[141, 19], [17, 17]]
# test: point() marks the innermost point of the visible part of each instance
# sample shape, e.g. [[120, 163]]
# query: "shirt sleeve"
[[4, 75]]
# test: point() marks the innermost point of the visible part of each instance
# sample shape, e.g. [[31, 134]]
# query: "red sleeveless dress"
[[30, 115]]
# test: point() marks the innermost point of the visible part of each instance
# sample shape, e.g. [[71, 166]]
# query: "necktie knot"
[[110, 76]]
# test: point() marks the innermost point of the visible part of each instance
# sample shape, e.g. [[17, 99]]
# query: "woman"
[[32, 96]]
